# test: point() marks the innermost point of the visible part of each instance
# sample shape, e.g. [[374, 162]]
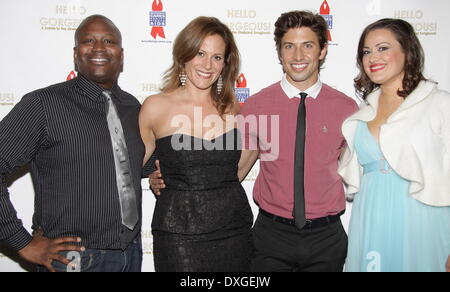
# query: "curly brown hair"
[[298, 19], [414, 57], [187, 45]]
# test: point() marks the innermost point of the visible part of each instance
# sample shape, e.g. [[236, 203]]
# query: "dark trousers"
[[96, 260], [285, 248]]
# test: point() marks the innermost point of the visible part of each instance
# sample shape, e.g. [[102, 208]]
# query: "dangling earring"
[[219, 85], [183, 78]]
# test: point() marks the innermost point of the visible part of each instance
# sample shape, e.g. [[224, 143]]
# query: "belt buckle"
[[382, 166], [308, 223]]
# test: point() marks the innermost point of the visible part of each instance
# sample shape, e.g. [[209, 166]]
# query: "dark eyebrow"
[[379, 44], [306, 42]]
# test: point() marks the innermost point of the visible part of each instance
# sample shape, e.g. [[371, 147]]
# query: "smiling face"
[[98, 53], [300, 56], [205, 68], [383, 58]]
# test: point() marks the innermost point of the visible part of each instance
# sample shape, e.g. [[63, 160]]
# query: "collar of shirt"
[[93, 90], [291, 91]]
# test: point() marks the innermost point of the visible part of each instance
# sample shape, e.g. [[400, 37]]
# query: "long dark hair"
[[186, 46], [414, 57]]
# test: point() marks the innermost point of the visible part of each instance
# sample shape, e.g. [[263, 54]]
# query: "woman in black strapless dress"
[[202, 220]]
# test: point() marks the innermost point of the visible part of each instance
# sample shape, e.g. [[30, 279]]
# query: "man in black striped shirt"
[[62, 131]]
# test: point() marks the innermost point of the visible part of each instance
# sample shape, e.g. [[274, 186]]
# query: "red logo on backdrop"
[[157, 19], [241, 90], [325, 8], [326, 14], [71, 76], [241, 82], [157, 5]]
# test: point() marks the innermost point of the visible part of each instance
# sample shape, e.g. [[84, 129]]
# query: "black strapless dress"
[[202, 220]]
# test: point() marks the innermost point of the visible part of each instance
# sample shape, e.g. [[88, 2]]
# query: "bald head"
[[93, 18], [98, 52]]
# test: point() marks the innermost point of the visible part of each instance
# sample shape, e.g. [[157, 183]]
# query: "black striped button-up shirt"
[[62, 131]]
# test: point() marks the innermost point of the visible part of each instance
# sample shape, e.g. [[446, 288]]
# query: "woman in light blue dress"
[[398, 158], [389, 230]]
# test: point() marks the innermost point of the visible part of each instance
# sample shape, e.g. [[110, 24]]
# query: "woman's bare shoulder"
[[156, 103]]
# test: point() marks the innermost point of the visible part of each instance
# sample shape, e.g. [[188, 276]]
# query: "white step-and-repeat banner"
[[37, 41]]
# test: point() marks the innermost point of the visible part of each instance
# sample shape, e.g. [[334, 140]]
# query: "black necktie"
[[299, 165]]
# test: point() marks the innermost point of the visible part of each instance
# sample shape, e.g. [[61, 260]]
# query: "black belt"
[[313, 223]]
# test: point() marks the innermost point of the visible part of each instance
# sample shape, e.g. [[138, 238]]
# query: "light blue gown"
[[389, 230]]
